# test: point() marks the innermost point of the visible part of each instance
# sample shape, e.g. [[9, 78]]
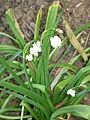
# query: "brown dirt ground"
[[78, 13]]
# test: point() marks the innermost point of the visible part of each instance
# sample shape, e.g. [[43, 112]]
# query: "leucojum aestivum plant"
[[29, 66]]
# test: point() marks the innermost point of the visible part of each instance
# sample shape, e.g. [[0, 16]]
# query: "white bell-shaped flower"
[[55, 41], [71, 92], [29, 57], [36, 48], [34, 51]]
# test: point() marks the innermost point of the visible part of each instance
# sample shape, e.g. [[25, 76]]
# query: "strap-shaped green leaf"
[[2, 34], [24, 91], [6, 65], [42, 70], [8, 49], [15, 27], [59, 87], [37, 26], [77, 110], [52, 16]]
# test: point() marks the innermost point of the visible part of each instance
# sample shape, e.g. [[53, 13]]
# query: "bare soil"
[[78, 12]]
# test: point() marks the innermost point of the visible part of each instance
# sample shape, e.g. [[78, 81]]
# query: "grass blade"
[[30, 110], [8, 36], [8, 49], [6, 65], [77, 110], [52, 16], [83, 27], [15, 27], [37, 26]]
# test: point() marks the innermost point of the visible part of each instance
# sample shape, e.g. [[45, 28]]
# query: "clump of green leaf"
[[41, 96]]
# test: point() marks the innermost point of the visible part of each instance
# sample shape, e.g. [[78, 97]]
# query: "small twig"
[[27, 33], [31, 28], [68, 116], [60, 118], [59, 105], [75, 53]]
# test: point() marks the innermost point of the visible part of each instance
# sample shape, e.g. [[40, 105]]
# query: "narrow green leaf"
[[86, 79], [83, 27], [59, 87], [26, 99], [43, 89], [52, 16], [13, 117], [10, 109], [42, 70], [32, 112], [6, 65], [82, 111], [8, 36], [8, 49], [65, 65], [24, 91], [15, 27], [10, 76], [6, 102], [37, 26], [15, 64]]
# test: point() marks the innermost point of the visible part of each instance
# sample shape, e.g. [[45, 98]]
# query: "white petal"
[[37, 48], [34, 51], [58, 40], [29, 57], [71, 92], [55, 41]]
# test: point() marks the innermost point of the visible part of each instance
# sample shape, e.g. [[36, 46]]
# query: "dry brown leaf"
[[74, 40]]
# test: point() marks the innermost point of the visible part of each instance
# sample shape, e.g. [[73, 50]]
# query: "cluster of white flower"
[[34, 51], [55, 42], [71, 92]]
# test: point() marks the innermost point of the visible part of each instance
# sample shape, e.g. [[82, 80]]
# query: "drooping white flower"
[[36, 48], [33, 51], [29, 57], [55, 41], [71, 92]]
